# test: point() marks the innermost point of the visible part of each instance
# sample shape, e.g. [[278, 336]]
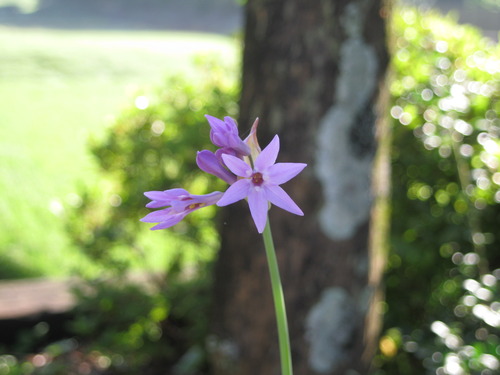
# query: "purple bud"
[[208, 162], [225, 134]]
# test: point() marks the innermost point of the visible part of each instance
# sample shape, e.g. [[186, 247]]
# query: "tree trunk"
[[313, 73]]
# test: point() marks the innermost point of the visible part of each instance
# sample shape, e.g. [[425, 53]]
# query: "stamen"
[[192, 206], [257, 178]]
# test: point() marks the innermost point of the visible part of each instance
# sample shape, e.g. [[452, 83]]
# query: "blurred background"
[[103, 100]]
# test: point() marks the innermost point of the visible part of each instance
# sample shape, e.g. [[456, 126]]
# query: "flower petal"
[[164, 198], [217, 130], [155, 195], [207, 199], [268, 155], [225, 134], [252, 140], [231, 125], [175, 193], [233, 140], [235, 192], [158, 216], [277, 196], [258, 208], [172, 220], [208, 162], [215, 123], [158, 204], [225, 150], [165, 195], [237, 166], [180, 206], [280, 173]]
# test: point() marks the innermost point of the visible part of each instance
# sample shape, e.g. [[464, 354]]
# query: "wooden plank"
[[24, 298]]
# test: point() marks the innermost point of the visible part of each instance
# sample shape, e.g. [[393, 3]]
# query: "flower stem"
[[279, 302]]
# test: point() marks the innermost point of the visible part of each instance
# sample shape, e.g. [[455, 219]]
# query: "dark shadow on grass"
[[9, 270]]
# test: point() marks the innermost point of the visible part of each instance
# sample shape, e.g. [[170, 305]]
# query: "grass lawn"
[[57, 88]]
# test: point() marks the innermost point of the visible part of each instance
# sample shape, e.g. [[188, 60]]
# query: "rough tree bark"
[[313, 73]]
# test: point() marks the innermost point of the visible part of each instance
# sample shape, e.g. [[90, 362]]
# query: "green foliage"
[[446, 188], [151, 147], [122, 319], [138, 328]]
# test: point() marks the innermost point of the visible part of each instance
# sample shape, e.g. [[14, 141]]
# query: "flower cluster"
[[252, 173]]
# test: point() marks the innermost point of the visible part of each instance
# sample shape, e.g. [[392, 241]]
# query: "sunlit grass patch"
[[56, 89]]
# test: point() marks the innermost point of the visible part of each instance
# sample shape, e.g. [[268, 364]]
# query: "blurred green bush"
[[152, 146], [145, 326], [445, 109]]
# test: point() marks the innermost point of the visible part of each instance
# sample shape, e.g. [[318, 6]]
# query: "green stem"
[[279, 302]]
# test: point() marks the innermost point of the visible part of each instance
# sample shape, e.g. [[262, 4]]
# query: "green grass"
[[56, 89]]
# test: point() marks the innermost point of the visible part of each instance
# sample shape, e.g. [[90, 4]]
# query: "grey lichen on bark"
[[331, 324], [329, 327], [224, 354], [344, 155]]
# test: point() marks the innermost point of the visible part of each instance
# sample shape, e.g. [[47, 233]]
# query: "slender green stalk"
[[279, 302]]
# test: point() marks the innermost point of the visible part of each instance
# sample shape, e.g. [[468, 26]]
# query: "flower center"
[[257, 178], [194, 206]]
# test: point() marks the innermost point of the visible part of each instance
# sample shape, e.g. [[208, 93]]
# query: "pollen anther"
[[257, 178]]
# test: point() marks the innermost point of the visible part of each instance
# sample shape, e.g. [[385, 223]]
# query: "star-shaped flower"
[[260, 184], [179, 203]]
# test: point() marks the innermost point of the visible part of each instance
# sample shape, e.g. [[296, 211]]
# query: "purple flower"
[[211, 163], [225, 134], [179, 203], [261, 183]]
